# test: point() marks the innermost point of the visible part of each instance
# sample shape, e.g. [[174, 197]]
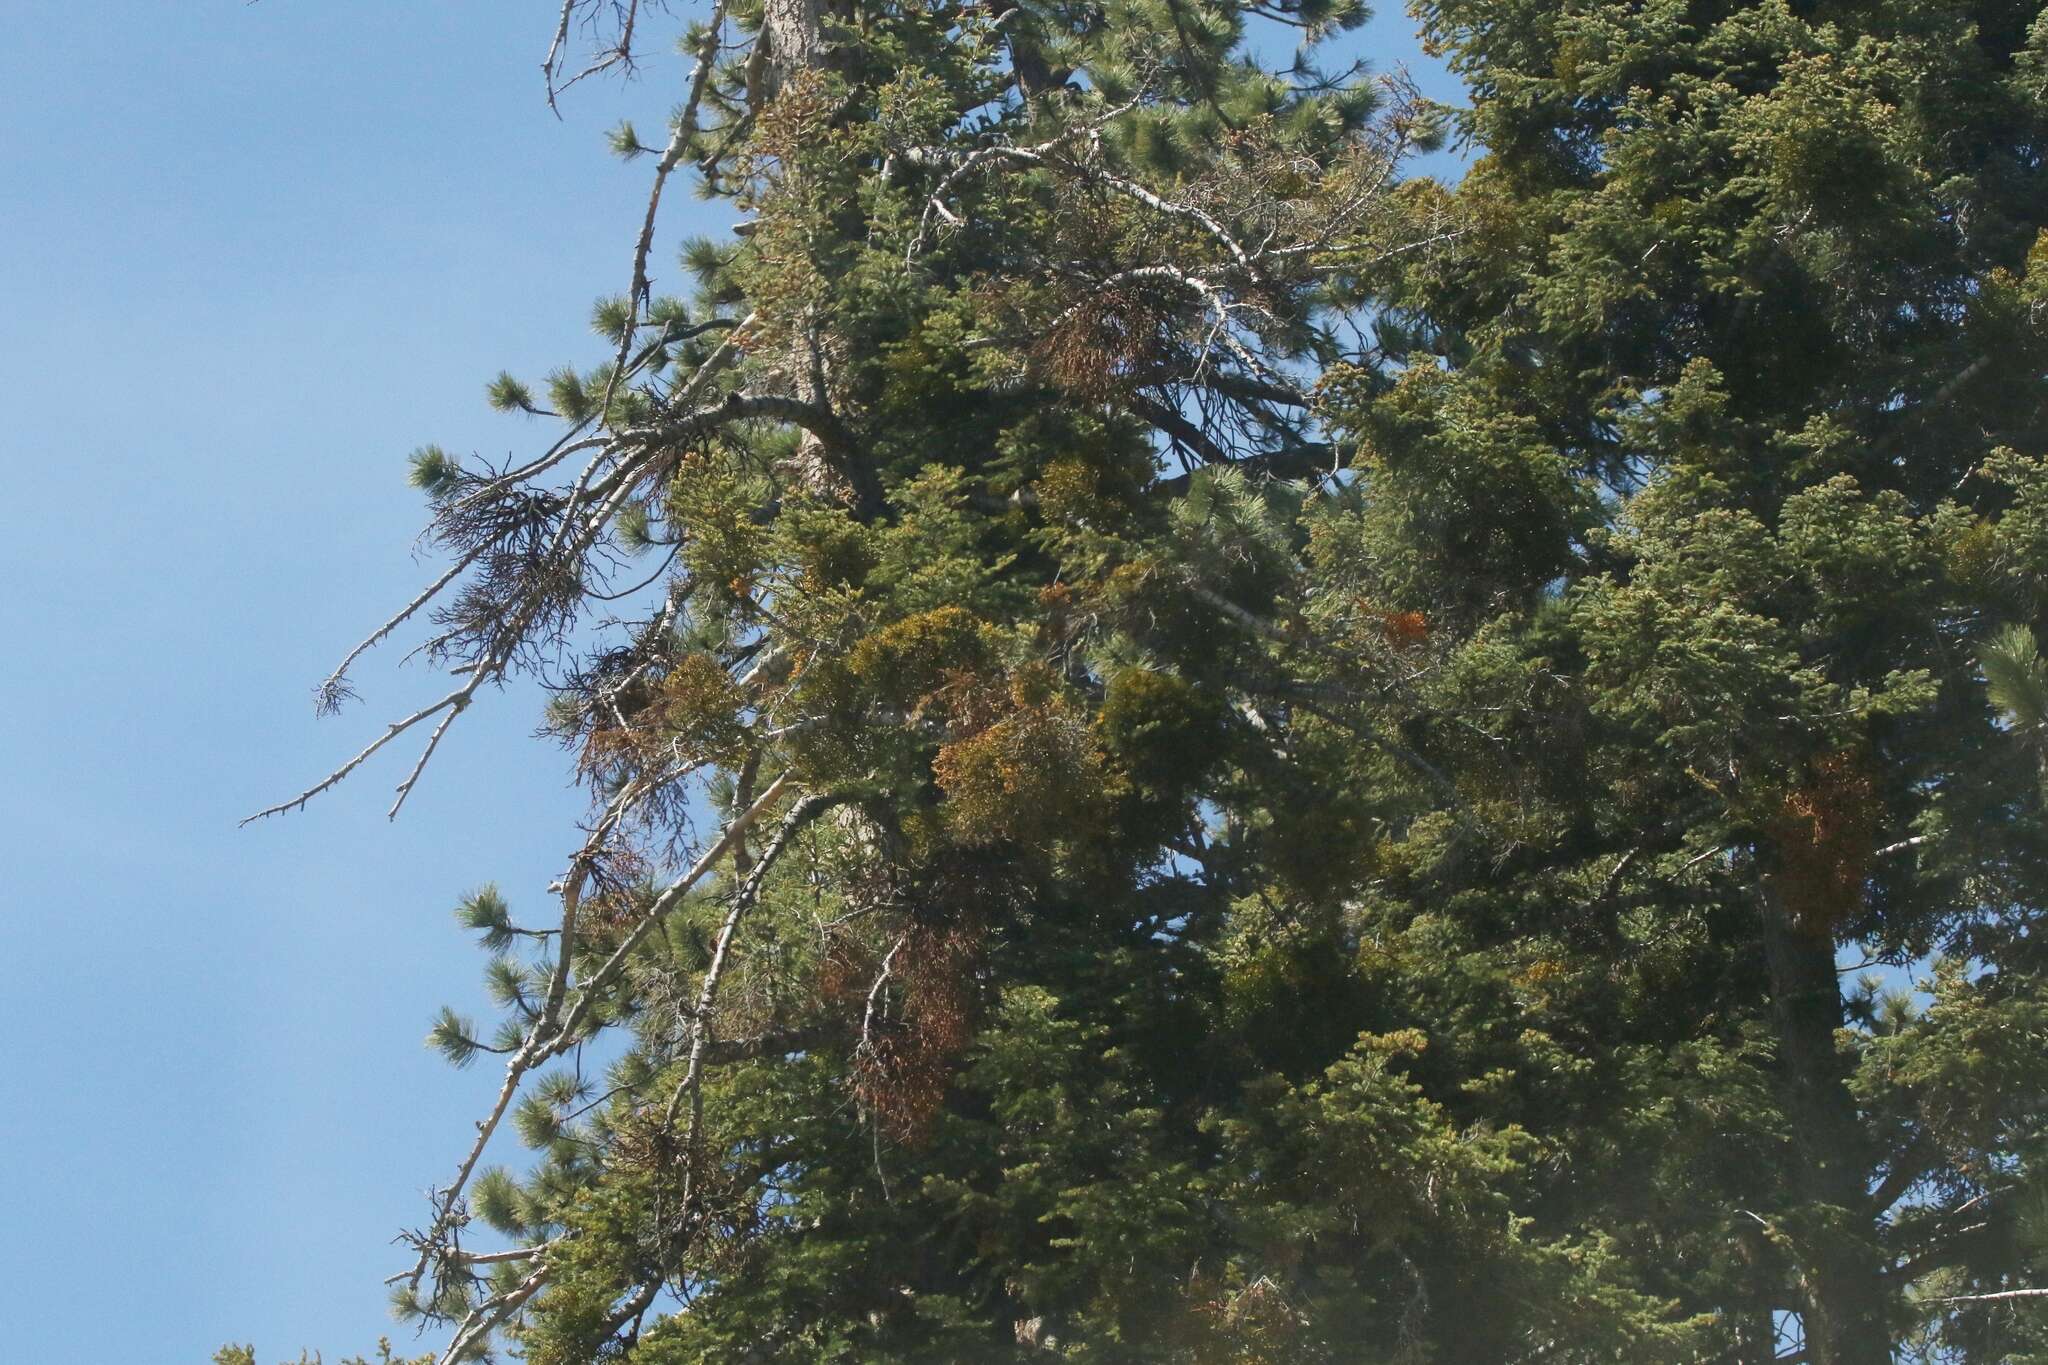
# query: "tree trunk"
[[793, 42], [1834, 1243], [795, 35]]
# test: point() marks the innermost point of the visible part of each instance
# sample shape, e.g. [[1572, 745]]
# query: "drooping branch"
[[635, 456]]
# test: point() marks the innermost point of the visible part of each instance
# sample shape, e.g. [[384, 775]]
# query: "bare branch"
[[1998, 1297], [1131, 189], [552, 63], [867, 1018], [486, 1316], [335, 687], [565, 1034], [935, 203], [456, 699], [433, 743]]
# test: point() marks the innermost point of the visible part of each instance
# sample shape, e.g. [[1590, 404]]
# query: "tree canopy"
[[1203, 748]]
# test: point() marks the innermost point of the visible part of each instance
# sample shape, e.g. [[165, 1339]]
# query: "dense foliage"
[[1279, 761]]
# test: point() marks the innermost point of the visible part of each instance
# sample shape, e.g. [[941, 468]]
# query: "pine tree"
[[1287, 755]]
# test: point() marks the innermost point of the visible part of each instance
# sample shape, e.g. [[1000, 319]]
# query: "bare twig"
[[453, 701], [1997, 1297], [332, 690], [867, 1020]]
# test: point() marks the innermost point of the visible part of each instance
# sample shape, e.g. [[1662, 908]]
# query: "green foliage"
[[610, 318], [2017, 677], [454, 1037], [625, 142], [507, 394], [486, 912], [571, 395], [435, 473]]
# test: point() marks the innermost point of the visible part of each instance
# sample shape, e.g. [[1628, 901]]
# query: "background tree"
[[1766, 280], [1205, 751]]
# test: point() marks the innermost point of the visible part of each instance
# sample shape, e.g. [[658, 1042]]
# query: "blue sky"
[[250, 255]]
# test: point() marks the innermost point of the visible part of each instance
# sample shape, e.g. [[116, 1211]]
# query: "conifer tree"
[[1220, 752]]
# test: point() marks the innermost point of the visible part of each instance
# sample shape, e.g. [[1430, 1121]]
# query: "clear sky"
[[250, 255]]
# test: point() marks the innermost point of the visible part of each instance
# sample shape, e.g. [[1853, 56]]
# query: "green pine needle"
[[2017, 678], [434, 472], [570, 395], [454, 1037], [630, 407], [510, 1034], [707, 259], [507, 394], [495, 1198], [485, 911], [507, 983], [625, 142], [561, 1089], [669, 312], [635, 528], [610, 317], [631, 1072], [538, 1123]]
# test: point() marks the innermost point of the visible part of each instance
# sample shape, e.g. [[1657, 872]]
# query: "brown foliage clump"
[[1404, 629], [1024, 777], [1824, 831], [1103, 338], [909, 1046]]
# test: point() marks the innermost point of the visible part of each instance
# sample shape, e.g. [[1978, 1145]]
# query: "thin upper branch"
[[552, 1034]]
